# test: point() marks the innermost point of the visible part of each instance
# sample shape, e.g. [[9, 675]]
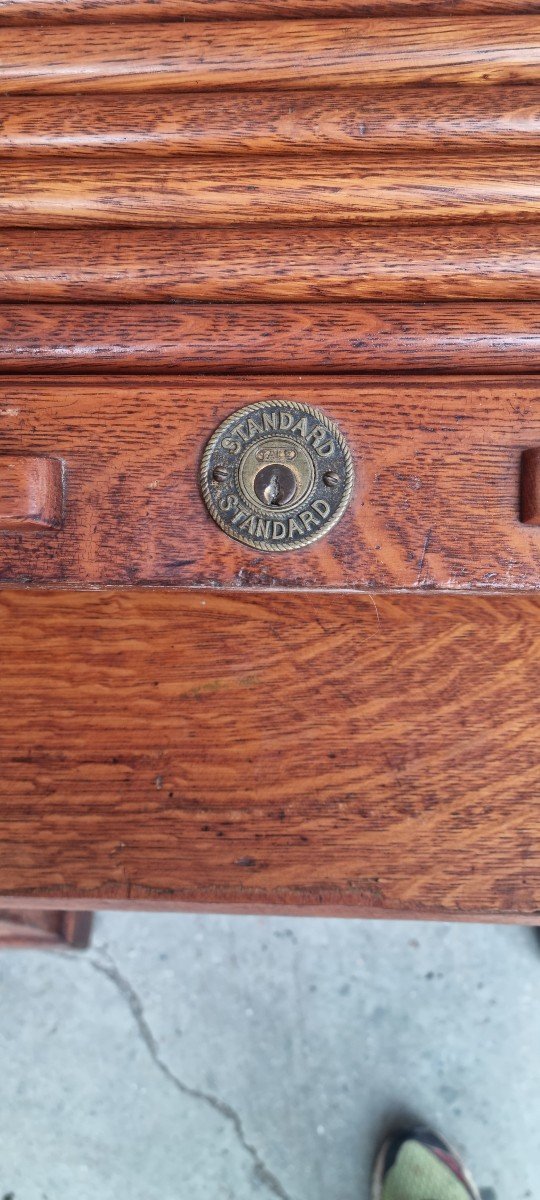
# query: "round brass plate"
[[277, 475]]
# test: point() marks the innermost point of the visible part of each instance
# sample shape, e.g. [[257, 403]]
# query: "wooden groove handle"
[[31, 491], [530, 486]]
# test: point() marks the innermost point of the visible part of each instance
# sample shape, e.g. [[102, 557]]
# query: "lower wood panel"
[[338, 755]]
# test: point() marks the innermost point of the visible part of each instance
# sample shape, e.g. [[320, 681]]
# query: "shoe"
[[416, 1164]]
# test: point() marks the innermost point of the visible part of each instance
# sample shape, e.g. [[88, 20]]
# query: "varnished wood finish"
[[435, 504], [139, 190], [63, 11], [259, 54], [211, 751], [497, 262], [31, 491], [450, 118], [328, 338]]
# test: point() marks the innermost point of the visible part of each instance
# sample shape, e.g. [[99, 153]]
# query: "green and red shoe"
[[416, 1164]]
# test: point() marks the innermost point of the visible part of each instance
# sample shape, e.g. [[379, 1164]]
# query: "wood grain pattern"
[[435, 504], [250, 338], [199, 56], [448, 118], [31, 491], [497, 262], [235, 752], [225, 190], [64, 11]]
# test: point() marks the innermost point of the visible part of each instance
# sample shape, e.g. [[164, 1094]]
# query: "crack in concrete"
[[262, 1173]]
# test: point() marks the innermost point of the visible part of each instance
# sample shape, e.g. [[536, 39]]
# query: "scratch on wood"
[[425, 548]]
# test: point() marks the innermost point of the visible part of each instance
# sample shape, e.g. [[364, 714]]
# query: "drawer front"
[[439, 467]]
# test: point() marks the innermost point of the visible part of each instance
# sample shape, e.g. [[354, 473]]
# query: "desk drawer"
[[435, 502]]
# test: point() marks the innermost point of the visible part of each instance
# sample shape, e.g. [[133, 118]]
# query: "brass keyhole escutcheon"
[[275, 485], [277, 475]]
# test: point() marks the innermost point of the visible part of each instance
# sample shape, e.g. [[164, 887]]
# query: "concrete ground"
[[227, 1058]]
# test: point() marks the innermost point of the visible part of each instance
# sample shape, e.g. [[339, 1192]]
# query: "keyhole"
[[275, 485]]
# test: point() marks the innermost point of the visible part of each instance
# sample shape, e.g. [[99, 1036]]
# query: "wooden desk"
[[207, 202]]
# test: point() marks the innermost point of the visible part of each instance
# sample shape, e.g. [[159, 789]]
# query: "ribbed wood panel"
[[308, 161]]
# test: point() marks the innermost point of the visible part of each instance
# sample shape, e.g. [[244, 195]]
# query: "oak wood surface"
[[65, 11], [259, 54], [436, 502], [465, 262], [251, 338], [199, 750], [109, 189], [448, 118]]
